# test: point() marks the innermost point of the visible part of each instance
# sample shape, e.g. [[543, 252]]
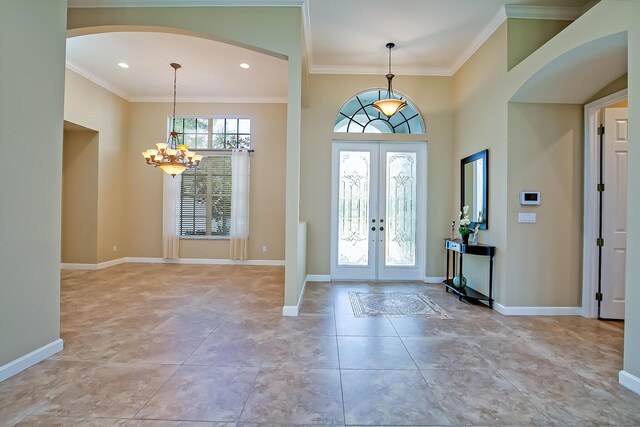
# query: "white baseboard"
[[28, 360], [537, 311], [318, 278], [201, 261], [206, 261], [433, 279], [630, 381], [294, 310], [99, 266]]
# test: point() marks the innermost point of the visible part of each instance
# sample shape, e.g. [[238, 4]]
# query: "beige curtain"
[[239, 205], [170, 200]]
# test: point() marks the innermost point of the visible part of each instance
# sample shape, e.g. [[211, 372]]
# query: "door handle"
[[381, 228], [381, 220], [373, 220], [373, 229]]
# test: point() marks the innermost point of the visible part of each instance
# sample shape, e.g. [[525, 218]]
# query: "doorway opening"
[[378, 211], [605, 208]]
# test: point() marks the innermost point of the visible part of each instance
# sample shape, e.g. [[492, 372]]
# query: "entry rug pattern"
[[395, 304]]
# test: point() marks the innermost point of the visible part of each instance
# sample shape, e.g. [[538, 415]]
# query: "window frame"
[[207, 152]]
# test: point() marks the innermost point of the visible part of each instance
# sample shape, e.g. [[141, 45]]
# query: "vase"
[[465, 239]]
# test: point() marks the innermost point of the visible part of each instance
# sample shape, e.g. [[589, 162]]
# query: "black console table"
[[456, 246]]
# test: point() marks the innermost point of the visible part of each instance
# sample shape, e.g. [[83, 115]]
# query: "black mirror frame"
[[485, 173]]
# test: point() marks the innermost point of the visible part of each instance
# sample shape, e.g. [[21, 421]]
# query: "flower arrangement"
[[464, 229]]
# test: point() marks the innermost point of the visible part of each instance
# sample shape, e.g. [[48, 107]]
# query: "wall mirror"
[[474, 187]]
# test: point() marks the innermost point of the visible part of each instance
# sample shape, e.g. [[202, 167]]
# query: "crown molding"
[[97, 80], [558, 13], [480, 39], [399, 71], [212, 99], [183, 3]]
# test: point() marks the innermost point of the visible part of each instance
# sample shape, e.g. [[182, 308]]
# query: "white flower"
[[465, 221], [465, 209]]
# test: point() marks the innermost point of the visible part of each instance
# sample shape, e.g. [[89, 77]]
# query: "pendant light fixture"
[[390, 105], [172, 157]]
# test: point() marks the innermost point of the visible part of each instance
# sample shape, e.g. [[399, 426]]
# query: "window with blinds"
[[205, 198]]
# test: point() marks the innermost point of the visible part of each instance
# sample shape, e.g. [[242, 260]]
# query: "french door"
[[378, 211]]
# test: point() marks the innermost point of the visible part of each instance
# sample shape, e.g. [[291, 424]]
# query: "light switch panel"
[[528, 217]]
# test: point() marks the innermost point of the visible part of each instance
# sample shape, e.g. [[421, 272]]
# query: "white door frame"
[[591, 215], [421, 229]]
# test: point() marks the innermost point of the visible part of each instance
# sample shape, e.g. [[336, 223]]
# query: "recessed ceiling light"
[[123, 65], [245, 65]]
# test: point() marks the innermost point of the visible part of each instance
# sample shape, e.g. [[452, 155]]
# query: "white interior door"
[[614, 214], [378, 205]]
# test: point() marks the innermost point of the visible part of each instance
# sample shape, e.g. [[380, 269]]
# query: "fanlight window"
[[358, 116]]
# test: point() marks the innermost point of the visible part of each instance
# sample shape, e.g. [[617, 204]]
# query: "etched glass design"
[[357, 115], [353, 208], [400, 232]]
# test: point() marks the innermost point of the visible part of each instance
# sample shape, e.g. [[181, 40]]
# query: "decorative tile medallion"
[[395, 304]]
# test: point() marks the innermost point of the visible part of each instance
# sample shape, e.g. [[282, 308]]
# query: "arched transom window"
[[357, 115]]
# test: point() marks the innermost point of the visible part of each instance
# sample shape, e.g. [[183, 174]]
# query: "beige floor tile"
[[48, 421], [373, 353], [225, 322], [202, 393], [295, 396], [381, 397], [482, 397]]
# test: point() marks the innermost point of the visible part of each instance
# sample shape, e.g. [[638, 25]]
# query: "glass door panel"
[[378, 211], [353, 208], [401, 209]]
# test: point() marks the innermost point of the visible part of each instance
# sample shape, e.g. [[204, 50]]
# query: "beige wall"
[[525, 36], [32, 42], [327, 93], [80, 197], [93, 107], [480, 122], [267, 214], [275, 30], [546, 152], [613, 87]]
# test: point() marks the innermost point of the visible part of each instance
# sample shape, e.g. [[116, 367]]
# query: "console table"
[[456, 246]]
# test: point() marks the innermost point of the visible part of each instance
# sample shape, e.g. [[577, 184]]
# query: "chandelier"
[[390, 105], [172, 157]]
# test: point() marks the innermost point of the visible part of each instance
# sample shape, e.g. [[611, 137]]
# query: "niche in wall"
[[79, 194]]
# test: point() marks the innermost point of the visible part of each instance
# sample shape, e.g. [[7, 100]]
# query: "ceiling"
[[433, 37]]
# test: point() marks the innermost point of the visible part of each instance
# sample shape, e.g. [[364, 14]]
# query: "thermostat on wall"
[[529, 197]]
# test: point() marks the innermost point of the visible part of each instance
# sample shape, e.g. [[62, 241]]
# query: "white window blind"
[[205, 198]]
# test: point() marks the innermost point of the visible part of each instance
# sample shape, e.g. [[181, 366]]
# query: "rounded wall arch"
[[272, 30], [357, 115], [76, 32]]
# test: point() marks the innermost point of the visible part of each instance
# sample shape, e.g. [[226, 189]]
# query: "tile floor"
[[155, 345]]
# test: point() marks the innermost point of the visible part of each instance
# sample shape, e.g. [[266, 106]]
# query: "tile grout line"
[[335, 325]]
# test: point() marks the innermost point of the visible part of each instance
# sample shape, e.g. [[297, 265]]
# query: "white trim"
[[97, 80], [99, 266], [471, 49], [630, 381], [20, 364], [318, 278], [201, 261], [557, 13], [433, 279], [590, 213], [212, 99], [537, 311], [206, 261], [376, 70], [294, 310], [183, 3]]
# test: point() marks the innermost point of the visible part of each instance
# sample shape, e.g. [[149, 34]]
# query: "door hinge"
[[600, 241], [601, 130], [598, 296], [601, 187]]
